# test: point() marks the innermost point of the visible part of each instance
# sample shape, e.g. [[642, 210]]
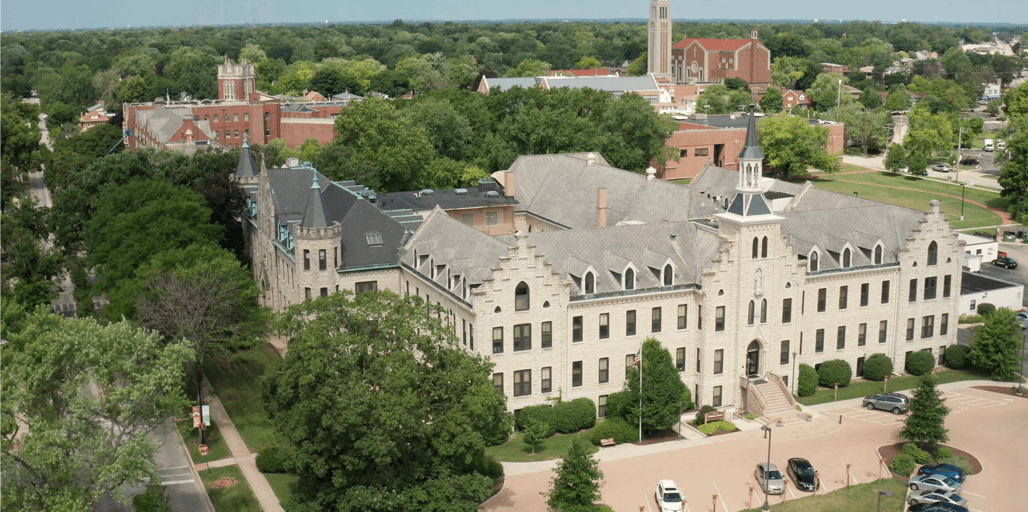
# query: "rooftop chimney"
[[651, 173], [601, 207], [508, 184], [591, 158]]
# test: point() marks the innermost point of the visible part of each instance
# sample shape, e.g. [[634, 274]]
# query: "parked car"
[[1005, 262], [936, 507], [769, 478], [903, 398], [937, 497], [970, 160], [886, 402], [1022, 319], [1001, 144], [934, 482], [955, 472], [802, 474], [669, 498], [940, 168], [988, 145]]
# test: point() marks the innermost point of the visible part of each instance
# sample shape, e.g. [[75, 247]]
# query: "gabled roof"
[[505, 84], [247, 166], [612, 84], [714, 45], [467, 251]]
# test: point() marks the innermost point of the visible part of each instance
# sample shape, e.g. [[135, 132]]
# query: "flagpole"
[[641, 394]]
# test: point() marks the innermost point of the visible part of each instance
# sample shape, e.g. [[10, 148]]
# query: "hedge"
[[619, 404], [877, 367], [986, 309], [537, 413], [616, 428], [275, 459], [920, 456], [835, 371], [714, 426], [920, 363], [903, 464], [956, 356], [563, 417], [807, 383]]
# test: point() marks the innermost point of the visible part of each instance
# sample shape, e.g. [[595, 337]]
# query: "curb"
[[196, 474]]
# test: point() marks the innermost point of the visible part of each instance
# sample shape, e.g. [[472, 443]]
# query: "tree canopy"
[[792, 146], [63, 446], [997, 345], [663, 392], [926, 422], [576, 485], [382, 407]]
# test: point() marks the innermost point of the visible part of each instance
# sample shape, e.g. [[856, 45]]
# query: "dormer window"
[[374, 239], [629, 279], [813, 261], [590, 283], [846, 258], [521, 297], [669, 275], [878, 255]]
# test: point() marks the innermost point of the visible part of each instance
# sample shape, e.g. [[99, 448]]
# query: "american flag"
[[638, 358]]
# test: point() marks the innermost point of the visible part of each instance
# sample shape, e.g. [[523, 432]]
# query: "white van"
[[988, 145]]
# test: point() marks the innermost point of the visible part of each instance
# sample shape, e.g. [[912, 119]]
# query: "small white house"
[[978, 250], [976, 289]]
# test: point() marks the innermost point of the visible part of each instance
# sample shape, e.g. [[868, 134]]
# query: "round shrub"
[[903, 464], [920, 363], [877, 367], [542, 414], [274, 459], [714, 426], [618, 429], [920, 456], [986, 309], [807, 383], [834, 371], [618, 404], [750, 416], [701, 415], [943, 453], [584, 412], [956, 356]]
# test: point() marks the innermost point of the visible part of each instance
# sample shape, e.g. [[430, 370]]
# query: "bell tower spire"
[[751, 159]]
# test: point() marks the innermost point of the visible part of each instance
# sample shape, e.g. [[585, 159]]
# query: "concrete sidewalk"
[[246, 460]]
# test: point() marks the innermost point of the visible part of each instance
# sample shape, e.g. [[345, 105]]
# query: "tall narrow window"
[[763, 311], [523, 383], [719, 361], [928, 326], [910, 329], [497, 340], [913, 290], [861, 335], [883, 331], [601, 406], [784, 359], [840, 340], [306, 259], [822, 300], [522, 337], [629, 361], [878, 255], [763, 247], [630, 323], [498, 382], [307, 293], [944, 324], [699, 317], [719, 318], [655, 320], [885, 292], [604, 326], [930, 284], [844, 292], [521, 297], [683, 316], [933, 253], [546, 334], [545, 380], [576, 374], [756, 246], [669, 275], [819, 341], [590, 283], [715, 399], [750, 313], [629, 279], [322, 260], [699, 366], [576, 328], [786, 311], [865, 292], [946, 283], [813, 261], [604, 370], [846, 258], [680, 359]]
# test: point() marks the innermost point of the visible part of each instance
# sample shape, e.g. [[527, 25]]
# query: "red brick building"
[[712, 61], [240, 113]]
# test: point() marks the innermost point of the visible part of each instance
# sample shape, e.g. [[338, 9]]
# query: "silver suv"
[[887, 402], [769, 478]]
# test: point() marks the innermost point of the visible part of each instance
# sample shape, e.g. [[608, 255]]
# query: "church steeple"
[[751, 159], [316, 215], [247, 166]]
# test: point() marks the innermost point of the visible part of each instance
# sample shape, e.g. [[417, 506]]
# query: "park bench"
[[607, 442]]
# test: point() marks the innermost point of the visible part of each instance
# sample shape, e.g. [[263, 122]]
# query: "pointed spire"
[[752, 149], [316, 215], [247, 166]]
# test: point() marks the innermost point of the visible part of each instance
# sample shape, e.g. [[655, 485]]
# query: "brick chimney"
[[601, 207], [508, 184]]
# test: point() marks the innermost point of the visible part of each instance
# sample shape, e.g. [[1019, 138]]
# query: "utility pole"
[[838, 100]]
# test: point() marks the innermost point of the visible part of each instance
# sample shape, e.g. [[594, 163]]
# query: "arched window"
[[590, 283], [846, 258], [629, 279], [750, 313], [878, 255], [763, 248], [933, 253], [813, 261], [756, 245], [521, 298], [763, 311], [669, 275]]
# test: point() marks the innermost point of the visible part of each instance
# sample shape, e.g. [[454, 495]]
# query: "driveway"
[[723, 466]]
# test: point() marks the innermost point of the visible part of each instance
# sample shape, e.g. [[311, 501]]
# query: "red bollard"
[[817, 481], [715, 503], [749, 503], [785, 489], [848, 474], [881, 463]]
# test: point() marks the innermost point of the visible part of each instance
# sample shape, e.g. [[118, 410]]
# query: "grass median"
[[862, 388], [554, 447], [237, 497], [855, 498], [236, 386]]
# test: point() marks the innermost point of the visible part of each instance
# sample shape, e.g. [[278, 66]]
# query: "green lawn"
[[515, 450], [915, 193], [237, 389], [217, 445], [282, 484], [238, 498], [855, 498], [862, 388]]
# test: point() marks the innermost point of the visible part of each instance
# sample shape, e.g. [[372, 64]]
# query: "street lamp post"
[[886, 493], [792, 385], [838, 101], [961, 201], [767, 429]]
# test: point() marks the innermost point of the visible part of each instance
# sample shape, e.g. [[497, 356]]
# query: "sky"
[[77, 14]]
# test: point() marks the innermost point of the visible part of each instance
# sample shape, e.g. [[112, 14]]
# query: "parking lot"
[[717, 473]]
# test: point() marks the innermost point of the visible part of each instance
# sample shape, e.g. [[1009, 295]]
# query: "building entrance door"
[[753, 359]]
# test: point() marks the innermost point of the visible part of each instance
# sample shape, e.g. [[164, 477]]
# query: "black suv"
[[1005, 262]]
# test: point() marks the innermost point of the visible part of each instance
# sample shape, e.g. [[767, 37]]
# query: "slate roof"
[[451, 199], [714, 45], [247, 166], [466, 251], [613, 84], [752, 149], [505, 84]]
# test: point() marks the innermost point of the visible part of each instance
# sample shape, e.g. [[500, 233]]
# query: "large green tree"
[[1017, 101], [382, 407], [897, 158], [1014, 174], [31, 266], [63, 445], [898, 98], [864, 127], [926, 423], [996, 346], [792, 146], [576, 485], [772, 101], [663, 392], [826, 91], [136, 221]]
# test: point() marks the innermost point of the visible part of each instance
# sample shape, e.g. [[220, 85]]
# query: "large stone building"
[[739, 276]]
